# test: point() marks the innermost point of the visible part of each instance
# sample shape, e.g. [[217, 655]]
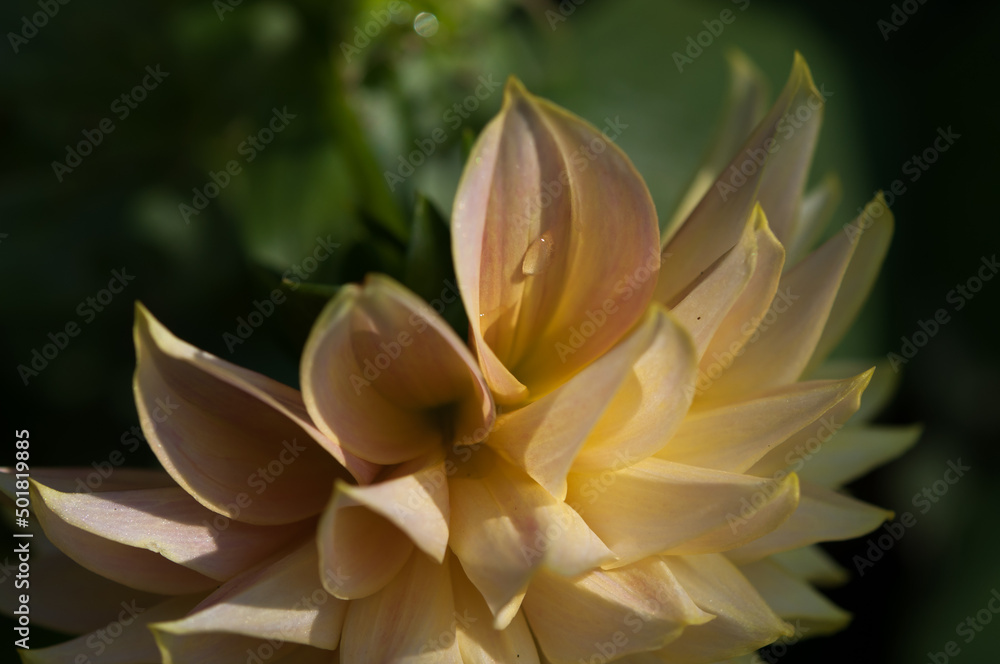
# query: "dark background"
[[323, 175]]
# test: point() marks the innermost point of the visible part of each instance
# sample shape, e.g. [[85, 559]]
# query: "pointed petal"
[[617, 410], [739, 326], [478, 641], [746, 105], [790, 329], [822, 516], [704, 308], [283, 600], [171, 523], [384, 375], [777, 157], [880, 391], [870, 233], [733, 437], [410, 621], [132, 643], [815, 213], [138, 568], [650, 405], [528, 273], [856, 450], [795, 600], [812, 564], [642, 602], [679, 509], [504, 526], [799, 449], [57, 577], [230, 436], [216, 647], [743, 620], [368, 533]]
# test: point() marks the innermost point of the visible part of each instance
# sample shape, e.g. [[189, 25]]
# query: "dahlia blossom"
[[631, 459]]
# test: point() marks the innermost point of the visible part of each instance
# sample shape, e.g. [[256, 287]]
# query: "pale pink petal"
[[504, 527], [555, 243], [171, 523], [124, 640], [282, 600], [411, 620], [822, 516], [657, 506], [733, 437], [219, 647], [367, 533], [238, 442], [609, 613], [135, 567], [384, 375]]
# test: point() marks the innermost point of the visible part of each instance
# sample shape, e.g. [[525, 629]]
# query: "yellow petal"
[[383, 374], [411, 620], [651, 403], [799, 449], [367, 533], [870, 233], [771, 167], [658, 506], [555, 242], [746, 105], [743, 620], [240, 443], [795, 600], [784, 338], [742, 317], [822, 516], [815, 212], [733, 437], [704, 308], [812, 564], [856, 450], [478, 641], [283, 600], [609, 613], [504, 527], [616, 411], [125, 640], [880, 391]]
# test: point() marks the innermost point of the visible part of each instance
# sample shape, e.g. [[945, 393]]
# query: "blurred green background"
[[353, 106]]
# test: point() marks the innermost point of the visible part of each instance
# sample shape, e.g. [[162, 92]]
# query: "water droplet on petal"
[[425, 24], [538, 256]]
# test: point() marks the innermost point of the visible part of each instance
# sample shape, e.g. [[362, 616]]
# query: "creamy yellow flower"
[[631, 461]]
